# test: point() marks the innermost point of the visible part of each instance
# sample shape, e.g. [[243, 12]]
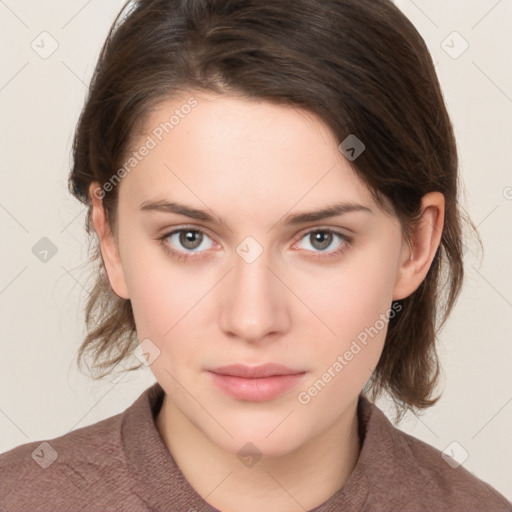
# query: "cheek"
[[354, 309], [158, 291], [355, 294]]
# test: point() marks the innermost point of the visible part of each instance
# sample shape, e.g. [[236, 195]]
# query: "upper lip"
[[254, 372]]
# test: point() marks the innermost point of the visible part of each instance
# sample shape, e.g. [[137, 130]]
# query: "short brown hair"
[[360, 65]]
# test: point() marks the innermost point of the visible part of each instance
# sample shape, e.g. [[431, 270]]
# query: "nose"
[[253, 301]]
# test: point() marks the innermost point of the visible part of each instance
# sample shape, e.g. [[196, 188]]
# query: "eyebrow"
[[292, 219]]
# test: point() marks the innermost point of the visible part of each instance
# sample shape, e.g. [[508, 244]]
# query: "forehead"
[[233, 150]]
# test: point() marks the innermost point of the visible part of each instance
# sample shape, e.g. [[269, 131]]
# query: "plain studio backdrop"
[[49, 50]]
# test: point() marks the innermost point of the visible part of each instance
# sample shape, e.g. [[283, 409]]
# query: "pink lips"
[[255, 383]]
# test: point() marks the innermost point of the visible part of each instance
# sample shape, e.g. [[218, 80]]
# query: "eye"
[[322, 239], [186, 241]]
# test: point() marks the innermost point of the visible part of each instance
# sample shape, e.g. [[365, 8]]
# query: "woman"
[[273, 190]]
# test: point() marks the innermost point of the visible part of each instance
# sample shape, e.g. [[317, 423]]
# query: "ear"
[[108, 245], [416, 256]]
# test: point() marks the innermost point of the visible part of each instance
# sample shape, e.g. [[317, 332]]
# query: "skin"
[[253, 163]]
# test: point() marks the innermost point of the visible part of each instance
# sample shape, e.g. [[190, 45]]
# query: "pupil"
[[187, 239], [324, 239]]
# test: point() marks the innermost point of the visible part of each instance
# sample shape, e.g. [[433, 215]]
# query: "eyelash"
[[184, 256]]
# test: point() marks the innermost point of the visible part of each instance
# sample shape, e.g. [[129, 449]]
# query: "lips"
[[255, 372], [255, 383]]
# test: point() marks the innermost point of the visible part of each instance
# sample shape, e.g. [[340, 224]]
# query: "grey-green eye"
[[188, 239], [322, 239]]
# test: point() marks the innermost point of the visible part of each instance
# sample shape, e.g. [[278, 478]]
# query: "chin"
[[268, 437], [244, 446]]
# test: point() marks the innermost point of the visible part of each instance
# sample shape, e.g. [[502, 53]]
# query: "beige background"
[[43, 396]]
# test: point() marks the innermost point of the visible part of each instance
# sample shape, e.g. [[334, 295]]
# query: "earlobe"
[[108, 245], [418, 252]]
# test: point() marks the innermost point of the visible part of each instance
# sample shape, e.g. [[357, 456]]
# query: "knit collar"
[[157, 478]]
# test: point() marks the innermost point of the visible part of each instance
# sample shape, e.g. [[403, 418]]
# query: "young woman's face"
[[262, 285]]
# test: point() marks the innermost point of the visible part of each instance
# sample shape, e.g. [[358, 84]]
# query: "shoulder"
[[447, 481], [57, 474], [417, 476]]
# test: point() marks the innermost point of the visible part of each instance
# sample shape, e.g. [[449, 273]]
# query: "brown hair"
[[360, 65]]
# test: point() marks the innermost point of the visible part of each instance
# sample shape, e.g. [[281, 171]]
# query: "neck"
[[299, 480]]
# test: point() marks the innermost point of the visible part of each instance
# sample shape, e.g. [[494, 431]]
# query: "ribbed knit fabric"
[[122, 464]]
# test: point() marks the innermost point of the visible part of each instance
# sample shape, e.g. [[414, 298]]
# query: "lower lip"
[[256, 390]]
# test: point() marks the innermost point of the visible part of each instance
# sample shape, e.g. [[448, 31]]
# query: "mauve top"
[[122, 464]]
